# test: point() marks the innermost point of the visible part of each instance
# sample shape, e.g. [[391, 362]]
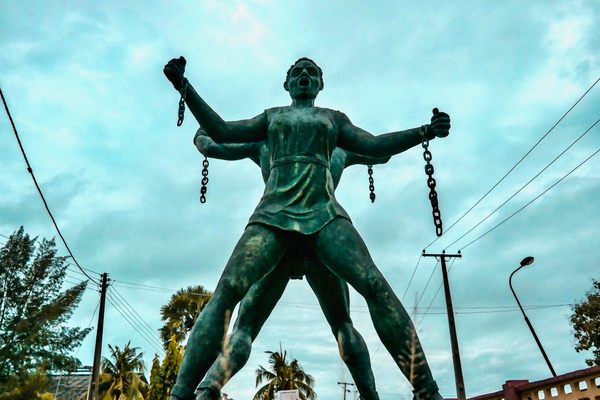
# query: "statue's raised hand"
[[174, 71], [440, 123]]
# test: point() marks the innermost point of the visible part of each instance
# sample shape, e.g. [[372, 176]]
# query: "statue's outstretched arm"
[[353, 159], [249, 130], [226, 151], [359, 141]]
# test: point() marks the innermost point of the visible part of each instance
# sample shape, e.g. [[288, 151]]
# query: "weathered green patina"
[[257, 305], [299, 208]]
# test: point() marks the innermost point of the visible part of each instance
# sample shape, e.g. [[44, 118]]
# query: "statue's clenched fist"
[[440, 124], [174, 71]]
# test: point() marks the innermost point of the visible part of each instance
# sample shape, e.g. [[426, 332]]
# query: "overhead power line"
[[149, 333], [534, 199], [526, 184], [518, 162], [411, 277], [136, 327], [149, 329], [435, 295], [427, 284], [155, 288], [37, 186]]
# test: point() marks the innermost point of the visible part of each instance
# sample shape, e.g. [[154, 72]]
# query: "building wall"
[[583, 384]]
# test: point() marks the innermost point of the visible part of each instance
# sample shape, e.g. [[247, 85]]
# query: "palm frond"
[[283, 376]]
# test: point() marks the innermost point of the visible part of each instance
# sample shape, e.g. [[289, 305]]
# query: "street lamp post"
[[527, 261]]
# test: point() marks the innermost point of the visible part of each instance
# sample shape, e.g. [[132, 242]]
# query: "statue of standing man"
[[299, 207]]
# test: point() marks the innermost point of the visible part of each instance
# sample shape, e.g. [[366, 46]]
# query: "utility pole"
[[93, 389], [458, 375], [345, 385]]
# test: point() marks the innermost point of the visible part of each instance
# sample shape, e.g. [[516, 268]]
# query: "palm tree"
[[181, 312], [121, 378], [283, 376]]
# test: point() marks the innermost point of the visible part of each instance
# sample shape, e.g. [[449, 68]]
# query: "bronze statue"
[[257, 305], [299, 207]]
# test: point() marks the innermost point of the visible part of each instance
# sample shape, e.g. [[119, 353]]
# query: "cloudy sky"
[[97, 119]]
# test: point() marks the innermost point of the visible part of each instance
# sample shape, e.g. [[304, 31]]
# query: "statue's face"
[[304, 80]]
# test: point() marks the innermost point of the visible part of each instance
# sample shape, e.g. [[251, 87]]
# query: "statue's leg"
[[254, 310], [332, 293], [256, 253], [341, 248]]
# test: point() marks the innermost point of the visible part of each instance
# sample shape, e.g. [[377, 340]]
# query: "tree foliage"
[[27, 386], [156, 391], [181, 313], [121, 377], [586, 323], [163, 377], [171, 364], [34, 310], [283, 375]]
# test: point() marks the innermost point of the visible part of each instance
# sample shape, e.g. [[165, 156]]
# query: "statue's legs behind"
[[332, 293], [341, 248], [256, 254], [256, 307], [254, 310]]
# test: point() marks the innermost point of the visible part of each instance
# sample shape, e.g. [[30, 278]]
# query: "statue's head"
[[304, 79]]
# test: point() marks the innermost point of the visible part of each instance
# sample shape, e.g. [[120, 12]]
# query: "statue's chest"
[[302, 128]]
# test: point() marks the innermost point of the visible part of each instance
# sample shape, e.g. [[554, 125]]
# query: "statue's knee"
[[229, 288], [346, 339]]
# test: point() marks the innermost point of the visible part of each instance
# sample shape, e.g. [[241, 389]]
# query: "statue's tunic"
[[299, 194]]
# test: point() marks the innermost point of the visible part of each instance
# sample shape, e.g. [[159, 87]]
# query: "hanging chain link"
[[180, 115], [183, 91], [433, 197], [204, 180], [371, 183]]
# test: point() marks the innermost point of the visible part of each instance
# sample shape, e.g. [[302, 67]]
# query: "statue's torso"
[[301, 131], [299, 193]]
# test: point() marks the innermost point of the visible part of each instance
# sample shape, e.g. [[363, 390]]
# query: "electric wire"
[[427, 284], [411, 277], [526, 184], [134, 326], [149, 328], [74, 277], [139, 321], [530, 202], [37, 186], [414, 312], [73, 283], [442, 310], [359, 308], [156, 288], [518, 162], [402, 300], [87, 269], [75, 271], [78, 348], [126, 316], [68, 263], [435, 295]]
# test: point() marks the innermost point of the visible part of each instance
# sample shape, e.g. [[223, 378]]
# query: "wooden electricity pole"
[[93, 389], [458, 375], [345, 385]]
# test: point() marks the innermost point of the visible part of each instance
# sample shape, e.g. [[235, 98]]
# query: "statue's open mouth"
[[304, 81]]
